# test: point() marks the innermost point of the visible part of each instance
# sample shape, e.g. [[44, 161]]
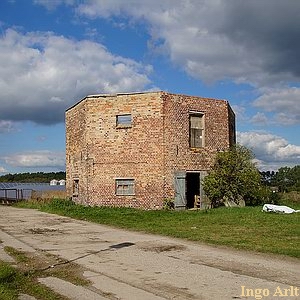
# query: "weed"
[[168, 204]]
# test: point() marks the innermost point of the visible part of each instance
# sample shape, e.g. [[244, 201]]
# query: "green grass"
[[245, 228], [28, 267], [8, 288], [13, 281]]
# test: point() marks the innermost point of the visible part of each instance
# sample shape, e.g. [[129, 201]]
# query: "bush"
[[234, 178], [262, 196]]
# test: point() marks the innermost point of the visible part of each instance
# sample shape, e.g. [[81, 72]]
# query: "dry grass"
[[46, 196]]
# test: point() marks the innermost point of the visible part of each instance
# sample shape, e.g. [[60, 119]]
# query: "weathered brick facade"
[[149, 153]]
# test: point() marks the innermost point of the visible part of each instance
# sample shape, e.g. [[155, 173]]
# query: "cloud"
[[252, 42], [7, 126], [260, 119], [284, 102], [244, 41], [43, 74], [36, 159], [270, 151], [52, 4], [3, 170]]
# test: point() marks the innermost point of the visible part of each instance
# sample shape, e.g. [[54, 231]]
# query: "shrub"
[[233, 178]]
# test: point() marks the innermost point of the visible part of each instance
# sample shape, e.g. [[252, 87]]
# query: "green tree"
[[33, 177], [267, 177], [287, 179], [234, 178]]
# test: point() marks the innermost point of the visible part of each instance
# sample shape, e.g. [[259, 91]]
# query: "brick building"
[[139, 149]]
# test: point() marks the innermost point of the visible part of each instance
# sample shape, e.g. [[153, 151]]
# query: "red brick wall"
[[113, 152], [75, 146], [178, 155], [150, 151]]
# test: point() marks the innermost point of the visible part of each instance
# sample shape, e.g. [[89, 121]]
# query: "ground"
[[122, 264]]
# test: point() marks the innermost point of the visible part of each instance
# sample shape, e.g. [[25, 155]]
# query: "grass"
[[14, 281], [245, 228], [23, 276]]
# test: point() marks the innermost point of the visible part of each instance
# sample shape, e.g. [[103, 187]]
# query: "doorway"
[[187, 185], [192, 188]]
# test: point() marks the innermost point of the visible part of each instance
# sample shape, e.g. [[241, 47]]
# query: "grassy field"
[[244, 228]]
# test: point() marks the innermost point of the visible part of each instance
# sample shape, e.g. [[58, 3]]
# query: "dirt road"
[[128, 265]]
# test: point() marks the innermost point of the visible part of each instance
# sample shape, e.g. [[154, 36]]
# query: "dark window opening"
[[75, 187]]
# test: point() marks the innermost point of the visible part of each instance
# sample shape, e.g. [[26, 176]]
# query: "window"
[[123, 120], [124, 187], [75, 187], [196, 130]]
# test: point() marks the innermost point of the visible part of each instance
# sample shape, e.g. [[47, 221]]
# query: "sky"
[[55, 52]]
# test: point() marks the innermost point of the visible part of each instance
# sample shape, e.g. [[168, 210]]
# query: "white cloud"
[[284, 102], [270, 151], [7, 126], [260, 119], [3, 170], [42, 74], [240, 113], [218, 40], [52, 4], [35, 159]]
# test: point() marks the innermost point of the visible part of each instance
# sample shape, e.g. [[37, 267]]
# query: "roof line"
[[138, 93], [120, 94], [111, 95]]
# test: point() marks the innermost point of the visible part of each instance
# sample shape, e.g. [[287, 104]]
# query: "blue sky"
[[55, 52]]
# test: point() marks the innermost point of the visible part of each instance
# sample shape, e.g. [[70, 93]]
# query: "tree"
[[267, 177], [287, 179], [233, 178], [33, 177]]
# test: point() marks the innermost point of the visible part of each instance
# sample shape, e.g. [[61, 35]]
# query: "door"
[[180, 195]]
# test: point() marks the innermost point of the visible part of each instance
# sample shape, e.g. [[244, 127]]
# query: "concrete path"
[[127, 265]]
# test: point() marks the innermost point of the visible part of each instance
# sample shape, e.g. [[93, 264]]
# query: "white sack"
[[279, 209]]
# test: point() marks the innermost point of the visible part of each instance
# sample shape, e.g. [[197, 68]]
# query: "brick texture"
[[150, 151]]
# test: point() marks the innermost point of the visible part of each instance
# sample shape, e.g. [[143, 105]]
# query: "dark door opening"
[[192, 188]]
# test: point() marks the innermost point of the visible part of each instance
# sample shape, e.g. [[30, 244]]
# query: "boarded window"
[[124, 187], [196, 130], [123, 120]]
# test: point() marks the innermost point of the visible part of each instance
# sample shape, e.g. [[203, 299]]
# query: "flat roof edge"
[[104, 95], [111, 95], [120, 94]]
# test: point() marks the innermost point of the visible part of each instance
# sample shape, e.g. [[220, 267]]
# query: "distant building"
[[58, 182], [62, 182], [140, 149], [53, 182]]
